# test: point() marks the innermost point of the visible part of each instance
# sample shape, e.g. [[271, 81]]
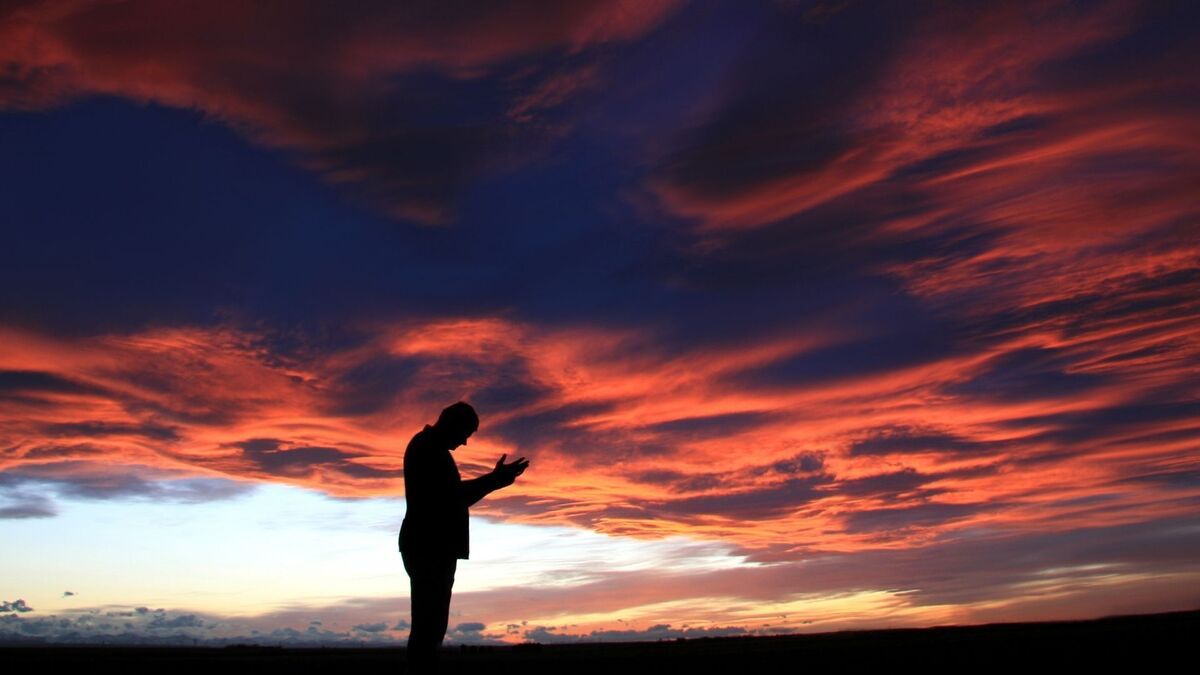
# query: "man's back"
[[435, 523]]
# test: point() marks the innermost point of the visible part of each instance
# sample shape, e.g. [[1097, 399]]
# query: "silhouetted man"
[[434, 533]]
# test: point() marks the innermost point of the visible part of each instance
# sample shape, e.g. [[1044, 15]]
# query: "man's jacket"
[[435, 524]]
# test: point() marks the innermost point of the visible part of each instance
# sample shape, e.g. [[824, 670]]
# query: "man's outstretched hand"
[[507, 473]]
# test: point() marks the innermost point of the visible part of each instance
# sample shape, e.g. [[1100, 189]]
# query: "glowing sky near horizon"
[[808, 315]]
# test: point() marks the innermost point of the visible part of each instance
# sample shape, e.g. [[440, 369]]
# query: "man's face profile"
[[458, 437]]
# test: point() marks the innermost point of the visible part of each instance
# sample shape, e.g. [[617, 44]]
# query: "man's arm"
[[471, 491]]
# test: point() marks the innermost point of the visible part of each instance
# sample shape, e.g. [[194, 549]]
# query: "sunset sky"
[[809, 315]]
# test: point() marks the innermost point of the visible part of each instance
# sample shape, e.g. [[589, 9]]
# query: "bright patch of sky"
[[278, 546]]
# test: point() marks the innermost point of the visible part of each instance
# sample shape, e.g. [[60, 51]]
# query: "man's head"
[[456, 423]]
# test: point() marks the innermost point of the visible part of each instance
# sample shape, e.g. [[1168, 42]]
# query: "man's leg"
[[430, 583], [421, 644], [441, 585]]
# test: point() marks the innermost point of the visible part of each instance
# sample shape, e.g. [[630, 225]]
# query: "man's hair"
[[458, 416]]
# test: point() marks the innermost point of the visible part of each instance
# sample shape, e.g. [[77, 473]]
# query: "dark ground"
[[1142, 644]]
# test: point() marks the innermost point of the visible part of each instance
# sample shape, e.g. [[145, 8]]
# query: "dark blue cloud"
[[899, 333], [803, 463], [1133, 298], [270, 455], [765, 502], [1144, 416], [234, 232], [1183, 479], [904, 439], [373, 385], [893, 483], [710, 426], [26, 384], [81, 480], [551, 426], [787, 99], [895, 520], [25, 505], [100, 429]]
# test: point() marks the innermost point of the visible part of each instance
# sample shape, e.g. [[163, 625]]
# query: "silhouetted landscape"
[[1138, 641]]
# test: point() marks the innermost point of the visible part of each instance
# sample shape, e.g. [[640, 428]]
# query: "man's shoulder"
[[420, 439], [425, 448]]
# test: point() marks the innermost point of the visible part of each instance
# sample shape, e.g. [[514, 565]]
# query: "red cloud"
[[628, 439]]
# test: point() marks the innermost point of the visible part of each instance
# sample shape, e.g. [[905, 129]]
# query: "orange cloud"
[[625, 439]]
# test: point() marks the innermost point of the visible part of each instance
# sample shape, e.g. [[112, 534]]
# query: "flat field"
[[1146, 643]]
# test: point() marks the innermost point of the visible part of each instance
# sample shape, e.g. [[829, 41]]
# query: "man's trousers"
[[430, 580]]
